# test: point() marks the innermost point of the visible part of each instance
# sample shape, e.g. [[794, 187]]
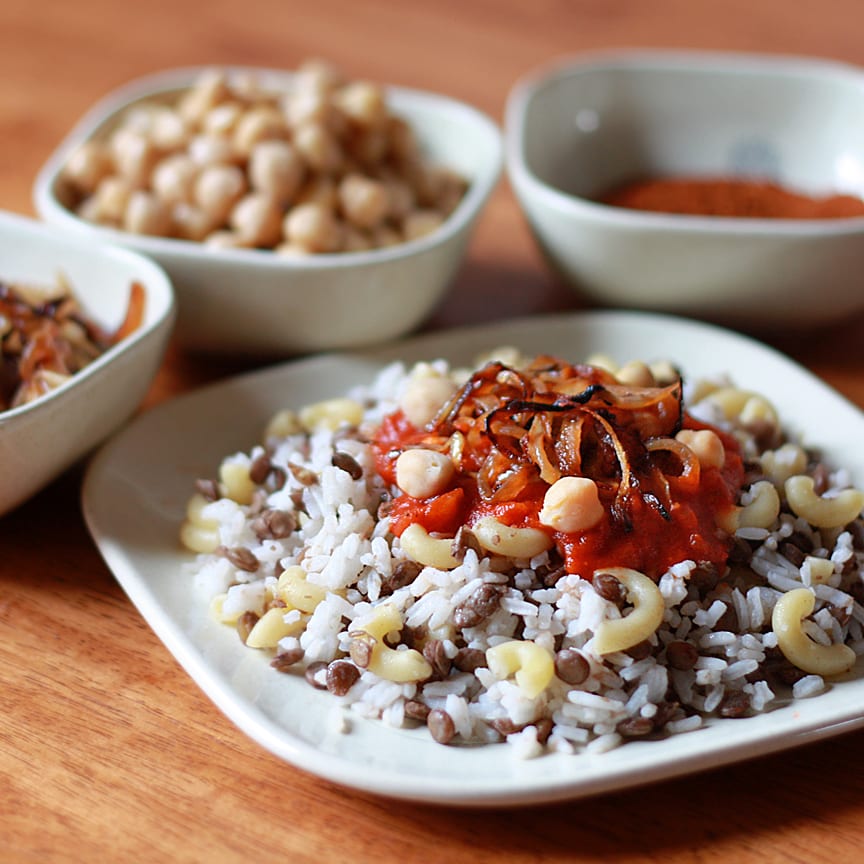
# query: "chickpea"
[[111, 199], [318, 75], [87, 167], [386, 235], [168, 130], [190, 222], [133, 155], [363, 201], [318, 147], [217, 189], [318, 190], [420, 223], [211, 150], [426, 392], [706, 444], [368, 147], [307, 105], [209, 90], [636, 374], [225, 240], [572, 504], [258, 124], [173, 178], [403, 142], [401, 199], [257, 220], [222, 120], [363, 103], [276, 168], [313, 227], [356, 240], [146, 214], [422, 473]]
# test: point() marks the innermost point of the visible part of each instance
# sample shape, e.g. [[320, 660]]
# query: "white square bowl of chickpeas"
[[294, 211]]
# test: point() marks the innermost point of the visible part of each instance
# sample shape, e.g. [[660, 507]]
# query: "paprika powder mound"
[[729, 197]]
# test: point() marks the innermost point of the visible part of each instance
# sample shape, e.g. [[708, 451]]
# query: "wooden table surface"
[[108, 751]]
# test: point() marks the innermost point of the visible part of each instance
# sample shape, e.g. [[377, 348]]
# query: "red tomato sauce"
[[648, 540]]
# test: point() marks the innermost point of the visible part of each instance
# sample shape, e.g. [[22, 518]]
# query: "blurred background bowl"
[[584, 125], [258, 302], [41, 439]]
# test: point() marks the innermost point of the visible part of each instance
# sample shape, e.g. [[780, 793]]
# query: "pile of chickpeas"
[[323, 167]]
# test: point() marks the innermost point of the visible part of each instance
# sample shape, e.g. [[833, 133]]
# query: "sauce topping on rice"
[[513, 434]]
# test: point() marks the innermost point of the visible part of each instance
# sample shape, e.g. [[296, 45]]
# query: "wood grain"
[[108, 751]]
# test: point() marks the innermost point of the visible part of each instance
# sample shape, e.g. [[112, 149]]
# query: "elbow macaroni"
[[826, 660], [619, 634]]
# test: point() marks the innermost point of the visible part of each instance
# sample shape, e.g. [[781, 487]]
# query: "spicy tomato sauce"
[[640, 533]]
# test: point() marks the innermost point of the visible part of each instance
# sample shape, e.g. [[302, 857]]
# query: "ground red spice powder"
[[754, 199]]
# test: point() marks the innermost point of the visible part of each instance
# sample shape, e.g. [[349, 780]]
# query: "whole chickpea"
[[318, 75], [318, 147], [572, 504], [422, 473], [222, 119], [173, 178], [111, 198], [190, 222], [276, 168], [313, 227], [363, 103], [208, 90], [318, 190], [363, 201], [211, 150], [134, 156], [217, 190], [257, 220], [168, 130], [403, 142], [307, 105], [224, 240], [146, 214], [257, 124], [88, 165]]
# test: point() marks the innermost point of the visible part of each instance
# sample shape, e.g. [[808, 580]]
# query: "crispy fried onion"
[[45, 338], [553, 420]]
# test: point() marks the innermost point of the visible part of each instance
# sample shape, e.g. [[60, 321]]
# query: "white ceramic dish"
[[253, 301], [134, 500], [588, 123], [40, 440]]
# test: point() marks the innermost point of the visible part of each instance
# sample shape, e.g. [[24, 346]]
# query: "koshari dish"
[[45, 338], [561, 555]]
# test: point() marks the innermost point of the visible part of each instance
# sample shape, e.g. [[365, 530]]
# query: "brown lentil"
[[347, 463], [681, 655], [274, 524], [311, 674], [285, 660], [436, 655], [341, 677], [245, 623], [242, 558], [441, 726], [479, 606], [571, 666]]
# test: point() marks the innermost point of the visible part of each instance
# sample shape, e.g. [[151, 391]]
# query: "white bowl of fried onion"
[[83, 330]]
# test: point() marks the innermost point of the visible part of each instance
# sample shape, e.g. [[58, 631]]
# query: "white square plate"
[[136, 491]]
